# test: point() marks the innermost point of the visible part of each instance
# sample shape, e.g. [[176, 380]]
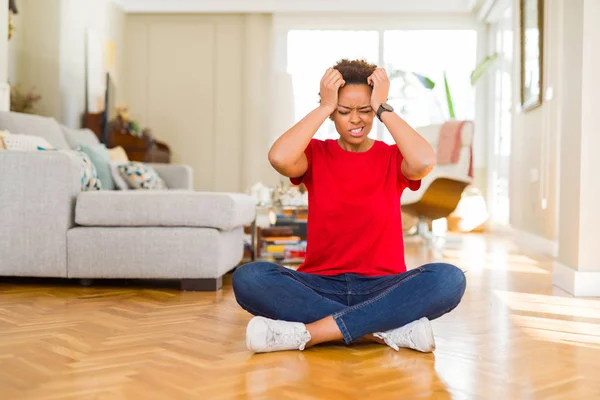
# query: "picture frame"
[[532, 53]]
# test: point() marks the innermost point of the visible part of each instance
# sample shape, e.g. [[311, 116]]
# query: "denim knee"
[[248, 278], [452, 277]]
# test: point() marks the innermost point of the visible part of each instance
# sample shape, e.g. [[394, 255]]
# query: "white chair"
[[441, 190]]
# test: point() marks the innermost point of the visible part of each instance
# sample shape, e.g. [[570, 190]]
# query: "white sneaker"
[[417, 336], [265, 335]]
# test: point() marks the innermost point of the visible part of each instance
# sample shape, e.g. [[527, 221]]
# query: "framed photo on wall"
[[532, 53]]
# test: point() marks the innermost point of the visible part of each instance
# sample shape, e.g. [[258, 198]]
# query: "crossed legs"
[[321, 304]]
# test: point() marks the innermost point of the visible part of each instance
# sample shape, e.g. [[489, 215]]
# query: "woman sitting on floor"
[[354, 282]]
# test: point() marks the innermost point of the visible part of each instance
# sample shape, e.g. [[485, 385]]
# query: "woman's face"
[[353, 117]]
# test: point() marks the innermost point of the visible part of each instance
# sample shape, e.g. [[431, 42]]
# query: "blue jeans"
[[359, 305]]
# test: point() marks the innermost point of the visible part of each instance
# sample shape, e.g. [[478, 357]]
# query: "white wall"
[[105, 19], [13, 46], [201, 83], [4, 89], [579, 189], [577, 269], [48, 51], [535, 162], [560, 140], [570, 149], [258, 102], [36, 62], [482, 134], [590, 142]]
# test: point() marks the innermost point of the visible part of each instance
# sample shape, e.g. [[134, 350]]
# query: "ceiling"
[[301, 6]]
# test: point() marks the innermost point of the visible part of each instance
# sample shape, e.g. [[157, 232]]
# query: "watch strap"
[[382, 109]]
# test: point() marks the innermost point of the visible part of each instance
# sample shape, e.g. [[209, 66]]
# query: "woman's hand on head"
[[381, 87], [331, 83]]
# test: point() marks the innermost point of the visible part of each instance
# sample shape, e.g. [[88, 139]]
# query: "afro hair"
[[355, 71]]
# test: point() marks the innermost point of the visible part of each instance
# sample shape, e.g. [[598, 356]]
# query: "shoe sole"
[[429, 333]]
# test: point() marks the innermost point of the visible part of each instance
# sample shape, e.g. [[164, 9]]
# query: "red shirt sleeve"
[[403, 181], [307, 175]]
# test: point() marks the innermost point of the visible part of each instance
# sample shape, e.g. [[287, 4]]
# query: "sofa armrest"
[[175, 176], [37, 194]]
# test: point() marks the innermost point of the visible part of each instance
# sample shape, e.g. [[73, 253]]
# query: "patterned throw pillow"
[[89, 176], [120, 183], [14, 142], [141, 176]]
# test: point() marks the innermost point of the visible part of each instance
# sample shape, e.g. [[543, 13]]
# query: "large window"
[[407, 55]]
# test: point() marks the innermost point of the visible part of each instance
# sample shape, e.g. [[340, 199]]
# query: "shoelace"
[[405, 337], [402, 336], [276, 336]]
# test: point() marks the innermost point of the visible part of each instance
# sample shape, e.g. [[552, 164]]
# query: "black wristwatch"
[[383, 108]]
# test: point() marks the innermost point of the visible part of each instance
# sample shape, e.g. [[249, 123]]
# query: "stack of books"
[[283, 242], [283, 249]]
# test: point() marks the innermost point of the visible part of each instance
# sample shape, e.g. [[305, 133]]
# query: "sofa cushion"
[[182, 208], [34, 125], [79, 137]]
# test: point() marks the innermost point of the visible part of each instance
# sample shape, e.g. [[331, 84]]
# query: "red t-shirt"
[[354, 219]]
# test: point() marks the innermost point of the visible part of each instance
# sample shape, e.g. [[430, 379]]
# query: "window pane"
[[311, 52], [430, 53]]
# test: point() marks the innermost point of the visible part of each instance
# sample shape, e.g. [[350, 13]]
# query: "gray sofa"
[[49, 228]]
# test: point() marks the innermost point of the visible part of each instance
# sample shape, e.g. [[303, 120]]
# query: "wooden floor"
[[513, 337]]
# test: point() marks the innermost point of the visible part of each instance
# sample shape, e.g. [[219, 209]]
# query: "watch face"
[[387, 107]]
